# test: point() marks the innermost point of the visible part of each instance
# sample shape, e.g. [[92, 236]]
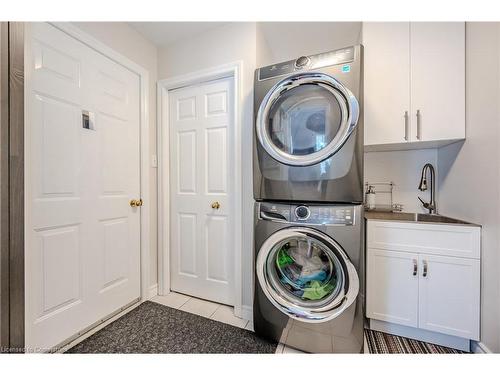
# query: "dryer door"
[[306, 275], [306, 118]]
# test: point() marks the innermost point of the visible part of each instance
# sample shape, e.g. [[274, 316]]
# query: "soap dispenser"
[[370, 198]]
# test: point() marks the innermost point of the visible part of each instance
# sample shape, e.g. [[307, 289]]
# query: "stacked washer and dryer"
[[308, 188]]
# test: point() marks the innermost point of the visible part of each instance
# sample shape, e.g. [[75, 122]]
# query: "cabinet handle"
[[415, 267], [406, 125], [418, 124], [424, 273]]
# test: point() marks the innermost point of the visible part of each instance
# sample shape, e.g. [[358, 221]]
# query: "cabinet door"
[[386, 82], [449, 295], [392, 287], [437, 80]]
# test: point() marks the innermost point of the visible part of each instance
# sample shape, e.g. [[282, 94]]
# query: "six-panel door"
[[82, 168], [202, 190]]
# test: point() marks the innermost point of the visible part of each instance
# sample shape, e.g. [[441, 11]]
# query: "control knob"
[[302, 61], [302, 212]]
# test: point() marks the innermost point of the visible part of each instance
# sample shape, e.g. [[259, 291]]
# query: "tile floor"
[[207, 309], [212, 310], [216, 311]]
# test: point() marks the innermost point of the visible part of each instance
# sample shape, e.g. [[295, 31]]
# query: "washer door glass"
[[306, 270], [306, 274], [306, 118]]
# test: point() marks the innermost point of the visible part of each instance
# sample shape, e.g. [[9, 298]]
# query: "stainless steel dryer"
[[308, 143], [309, 276]]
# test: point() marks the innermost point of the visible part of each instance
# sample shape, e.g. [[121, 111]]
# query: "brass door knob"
[[136, 203], [216, 205]]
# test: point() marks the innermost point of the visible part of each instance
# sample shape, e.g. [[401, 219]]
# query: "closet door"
[[437, 80], [386, 82]]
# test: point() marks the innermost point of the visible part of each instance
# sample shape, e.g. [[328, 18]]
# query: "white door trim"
[[232, 70], [143, 74]]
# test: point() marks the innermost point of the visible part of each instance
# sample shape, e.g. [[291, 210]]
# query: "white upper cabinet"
[[414, 84], [438, 80], [387, 82]]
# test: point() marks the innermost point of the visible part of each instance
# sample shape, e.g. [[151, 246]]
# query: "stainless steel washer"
[[309, 276], [308, 138]]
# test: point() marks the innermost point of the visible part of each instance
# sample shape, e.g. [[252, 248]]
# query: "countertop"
[[414, 217]]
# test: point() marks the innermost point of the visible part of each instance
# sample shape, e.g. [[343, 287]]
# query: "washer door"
[[306, 118], [306, 275]]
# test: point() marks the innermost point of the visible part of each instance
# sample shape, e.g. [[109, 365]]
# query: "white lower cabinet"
[[423, 289], [449, 296], [392, 287]]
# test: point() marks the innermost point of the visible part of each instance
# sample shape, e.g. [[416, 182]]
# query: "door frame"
[[12, 189], [78, 34], [234, 72]]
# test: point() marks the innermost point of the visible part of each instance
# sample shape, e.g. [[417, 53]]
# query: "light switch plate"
[[154, 161]]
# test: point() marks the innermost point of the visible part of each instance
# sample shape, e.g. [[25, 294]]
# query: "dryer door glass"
[[306, 118], [306, 274]]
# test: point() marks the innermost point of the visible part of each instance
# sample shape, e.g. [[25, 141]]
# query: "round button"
[[301, 61], [302, 212]]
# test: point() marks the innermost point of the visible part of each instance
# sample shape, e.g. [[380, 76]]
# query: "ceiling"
[[165, 33]]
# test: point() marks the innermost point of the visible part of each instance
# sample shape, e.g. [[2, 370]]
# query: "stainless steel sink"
[[428, 218], [415, 217]]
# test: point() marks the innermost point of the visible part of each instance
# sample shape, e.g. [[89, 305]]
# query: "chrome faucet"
[[431, 206]]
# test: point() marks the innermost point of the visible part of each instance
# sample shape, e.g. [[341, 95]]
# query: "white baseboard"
[[153, 291], [478, 347], [247, 312]]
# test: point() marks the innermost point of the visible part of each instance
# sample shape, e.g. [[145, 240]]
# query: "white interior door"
[[201, 161], [82, 236]]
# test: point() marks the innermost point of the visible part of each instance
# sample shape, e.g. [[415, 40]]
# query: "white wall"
[[222, 45], [282, 41], [128, 42], [469, 172], [404, 169]]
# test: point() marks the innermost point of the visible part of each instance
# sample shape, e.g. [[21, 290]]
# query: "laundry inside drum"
[[307, 271]]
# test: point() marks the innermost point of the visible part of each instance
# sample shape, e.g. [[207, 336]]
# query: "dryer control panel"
[[308, 214], [341, 56]]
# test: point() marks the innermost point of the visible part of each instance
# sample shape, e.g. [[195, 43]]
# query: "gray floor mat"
[[155, 328]]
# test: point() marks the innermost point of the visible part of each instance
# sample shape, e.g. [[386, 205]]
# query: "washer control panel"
[[324, 215], [302, 212], [308, 214]]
